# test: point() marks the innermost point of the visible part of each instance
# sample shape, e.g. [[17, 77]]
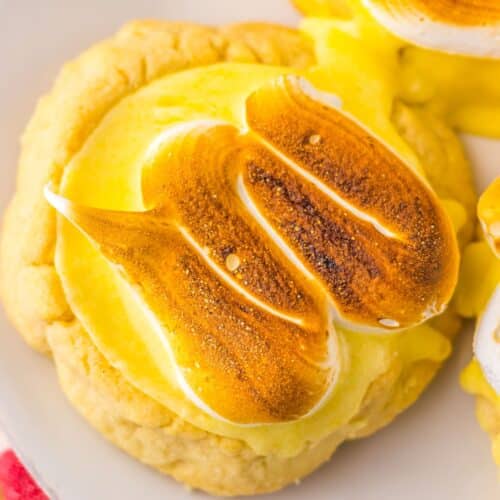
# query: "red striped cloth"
[[15, 482]]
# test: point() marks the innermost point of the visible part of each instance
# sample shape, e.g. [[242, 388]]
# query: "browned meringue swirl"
[[458, 12], [253, 239]]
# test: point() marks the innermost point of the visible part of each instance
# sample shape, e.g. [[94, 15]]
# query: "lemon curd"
[[462, 90]]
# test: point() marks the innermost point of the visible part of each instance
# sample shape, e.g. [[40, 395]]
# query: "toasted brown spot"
[[250, 240]]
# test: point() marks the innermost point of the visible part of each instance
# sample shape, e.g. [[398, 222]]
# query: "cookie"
[[86, 96]]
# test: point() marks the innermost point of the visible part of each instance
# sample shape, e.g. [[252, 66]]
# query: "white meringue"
[[441, 31]]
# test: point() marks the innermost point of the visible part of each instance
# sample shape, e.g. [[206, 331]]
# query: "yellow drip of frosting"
[[254, 242], [462, 90]]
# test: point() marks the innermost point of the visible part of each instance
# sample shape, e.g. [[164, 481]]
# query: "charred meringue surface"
[[469, 27], [255, 240]]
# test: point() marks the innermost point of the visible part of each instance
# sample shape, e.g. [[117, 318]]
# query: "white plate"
[[435, 451]]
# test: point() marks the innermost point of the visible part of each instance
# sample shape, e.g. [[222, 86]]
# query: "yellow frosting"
[[479, 275], [107, 173], [459, 12], [462, 90]]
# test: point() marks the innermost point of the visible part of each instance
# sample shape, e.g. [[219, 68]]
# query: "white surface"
[[3, 442], [435, 451]]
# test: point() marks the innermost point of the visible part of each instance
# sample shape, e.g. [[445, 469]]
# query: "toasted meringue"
[[253, 239], [468, 27]]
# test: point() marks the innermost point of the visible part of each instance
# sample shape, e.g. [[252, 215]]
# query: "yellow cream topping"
[[108, 173], [474, 381], [462, 90]]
